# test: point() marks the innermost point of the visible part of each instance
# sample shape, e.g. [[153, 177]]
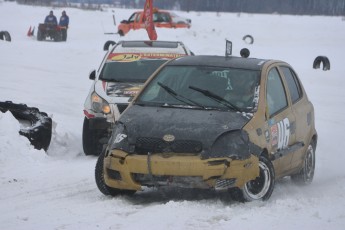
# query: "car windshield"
[[132, 71], [205, 87]]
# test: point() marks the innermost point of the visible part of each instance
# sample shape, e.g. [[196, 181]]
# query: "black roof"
[[157, 44], [220, 61]]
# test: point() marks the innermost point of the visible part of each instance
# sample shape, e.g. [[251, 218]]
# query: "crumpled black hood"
[[203, 126]]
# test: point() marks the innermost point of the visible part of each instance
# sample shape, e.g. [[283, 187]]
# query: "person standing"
[[50, 19], [63, 23]]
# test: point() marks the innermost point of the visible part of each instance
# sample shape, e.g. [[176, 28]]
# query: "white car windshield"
[[133, 71]]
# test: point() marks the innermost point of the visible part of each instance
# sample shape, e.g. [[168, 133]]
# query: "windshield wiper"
[[216, 98], [180, 97], [142, 103], [109, 79]]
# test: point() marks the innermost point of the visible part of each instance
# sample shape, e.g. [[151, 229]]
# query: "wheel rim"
[[309, 164], [257, 189]]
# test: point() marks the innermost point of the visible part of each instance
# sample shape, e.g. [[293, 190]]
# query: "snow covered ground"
[[56, 190]]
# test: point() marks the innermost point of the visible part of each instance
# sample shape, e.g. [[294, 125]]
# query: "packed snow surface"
[[57, 190]]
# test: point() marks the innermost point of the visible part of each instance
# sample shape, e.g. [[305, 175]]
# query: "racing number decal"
[[120, 137], [280, 133]]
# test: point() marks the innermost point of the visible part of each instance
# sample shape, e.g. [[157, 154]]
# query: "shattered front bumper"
[[131, 172]]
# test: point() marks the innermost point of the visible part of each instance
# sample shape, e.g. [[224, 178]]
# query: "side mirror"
[[92, 75]]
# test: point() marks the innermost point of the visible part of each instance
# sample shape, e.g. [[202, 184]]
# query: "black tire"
[[39, 35], [63, 34], [306, 175], [244, 52], [236, 194], [58, 36], [107, 44], [7, 36], [99, 177], [91, 139], [262, 187], [4, 35], [248, 39], [325, 62]]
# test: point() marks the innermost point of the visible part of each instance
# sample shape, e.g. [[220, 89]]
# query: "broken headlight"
[[233, 144]]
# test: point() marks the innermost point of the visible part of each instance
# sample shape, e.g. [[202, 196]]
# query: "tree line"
[[294, 7], [299, 7]]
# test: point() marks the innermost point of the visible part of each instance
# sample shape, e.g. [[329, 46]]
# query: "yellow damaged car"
[[213, 122]]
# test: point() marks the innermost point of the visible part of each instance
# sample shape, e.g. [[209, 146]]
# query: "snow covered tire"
[[306, 175], [99, 177], [40, 131]]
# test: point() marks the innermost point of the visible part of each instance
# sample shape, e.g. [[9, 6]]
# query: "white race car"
[[122, 73]]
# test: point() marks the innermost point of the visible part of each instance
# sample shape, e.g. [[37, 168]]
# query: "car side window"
[[161, 17], [132, 17], [156, 17], [275, 94], [293, 84]]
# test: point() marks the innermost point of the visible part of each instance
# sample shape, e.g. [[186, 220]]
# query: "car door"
[[301, 108], [138, 21], [281, 121]]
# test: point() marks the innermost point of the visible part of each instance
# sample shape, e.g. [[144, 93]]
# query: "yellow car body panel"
[[189, 166]]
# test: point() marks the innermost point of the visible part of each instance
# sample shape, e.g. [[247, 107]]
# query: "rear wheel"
[[306, 175], [260, 188], [39, 35]]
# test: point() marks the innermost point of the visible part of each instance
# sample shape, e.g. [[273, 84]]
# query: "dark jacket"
[[64, 21], [51, 19]]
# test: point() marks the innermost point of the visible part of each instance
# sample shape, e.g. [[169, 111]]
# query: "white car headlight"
[[99, 105]]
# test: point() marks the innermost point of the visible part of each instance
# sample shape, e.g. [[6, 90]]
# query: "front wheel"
[[306, 175], [58, 36], [92, 139], [260, 188], [99, 177]]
